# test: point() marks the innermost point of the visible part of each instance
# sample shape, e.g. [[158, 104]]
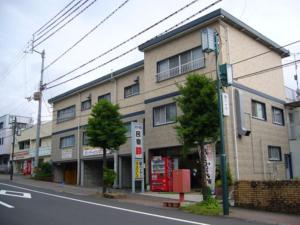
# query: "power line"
[[47, 31], [38, 30], [88, 33], [267, 70], [59, 28], [131, 38]]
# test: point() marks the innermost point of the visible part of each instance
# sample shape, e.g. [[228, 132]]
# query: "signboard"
[[94, 151], [137, 154], [210, 166], [225, 101], [21, 155], [66, 153]]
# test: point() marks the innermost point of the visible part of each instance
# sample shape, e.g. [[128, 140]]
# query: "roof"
[[294, 104], [209, 18], [103, 79]]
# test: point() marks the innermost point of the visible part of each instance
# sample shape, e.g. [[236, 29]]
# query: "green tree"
[[105, 130], [199, 123]]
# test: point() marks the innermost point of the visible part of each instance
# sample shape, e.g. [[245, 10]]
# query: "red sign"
[[138, 150]]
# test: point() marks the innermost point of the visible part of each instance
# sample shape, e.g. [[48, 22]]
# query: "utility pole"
[[14, 126], [38, 97], [221, 121]]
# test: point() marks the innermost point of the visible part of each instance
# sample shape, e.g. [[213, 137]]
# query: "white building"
[[6, 137], [293, 109]]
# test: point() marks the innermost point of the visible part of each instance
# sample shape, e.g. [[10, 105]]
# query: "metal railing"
[[181, 69]]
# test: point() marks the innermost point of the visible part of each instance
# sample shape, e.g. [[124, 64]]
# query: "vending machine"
[[161, 174]]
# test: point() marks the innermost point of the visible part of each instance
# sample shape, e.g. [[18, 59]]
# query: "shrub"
[[109, 176], [218, 181], [44, 171]]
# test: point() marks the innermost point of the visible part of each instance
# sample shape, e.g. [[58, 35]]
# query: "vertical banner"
[[210, 166], [137, 154]]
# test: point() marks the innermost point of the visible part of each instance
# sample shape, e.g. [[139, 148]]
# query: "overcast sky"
[[279, 20]]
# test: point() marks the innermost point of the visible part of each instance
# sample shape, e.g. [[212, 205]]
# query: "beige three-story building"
[[255, 129]]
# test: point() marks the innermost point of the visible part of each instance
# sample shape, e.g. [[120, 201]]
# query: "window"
[[128, 127], [1, 141], [278, 116], [67, 142], [86, 105], [259, 110], [179, 64], [24, 144], [85, 140], [131, 90], [164, 114], [22, 125], [106, 96], [274, 153], [1, 125], [66, 114]]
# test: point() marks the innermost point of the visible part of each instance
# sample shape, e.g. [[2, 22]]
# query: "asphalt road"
[[24, 205]]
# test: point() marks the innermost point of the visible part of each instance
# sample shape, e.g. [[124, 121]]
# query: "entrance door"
[[70, 176]]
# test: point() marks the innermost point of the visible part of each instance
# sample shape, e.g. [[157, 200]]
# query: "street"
[[20, 204]]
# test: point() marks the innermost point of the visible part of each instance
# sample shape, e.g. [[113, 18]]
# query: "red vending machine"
[[161, 174]]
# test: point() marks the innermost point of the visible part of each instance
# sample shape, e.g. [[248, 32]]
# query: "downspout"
[[236, 157]]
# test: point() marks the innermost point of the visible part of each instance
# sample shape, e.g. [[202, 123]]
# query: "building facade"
[[255, 130], [6, 137], [25, 148]]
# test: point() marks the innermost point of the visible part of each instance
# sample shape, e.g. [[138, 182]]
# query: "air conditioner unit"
[[208, 39]]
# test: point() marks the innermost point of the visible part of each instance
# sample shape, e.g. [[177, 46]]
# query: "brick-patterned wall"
[[275, 196]]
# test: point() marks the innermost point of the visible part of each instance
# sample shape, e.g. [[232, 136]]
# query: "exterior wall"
[[252, 150], [238, 46], [171, 48], [30, 134]]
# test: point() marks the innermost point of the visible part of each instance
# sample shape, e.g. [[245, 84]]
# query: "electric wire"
[[62, 26], [55, 25], [38, 30], [124, 42], [113, 59], [87, 34]]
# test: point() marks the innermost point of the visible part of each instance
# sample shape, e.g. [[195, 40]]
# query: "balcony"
[[181, 69]]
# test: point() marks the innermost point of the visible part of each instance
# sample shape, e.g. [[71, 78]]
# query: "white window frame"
[[193, 64], [161, 111]]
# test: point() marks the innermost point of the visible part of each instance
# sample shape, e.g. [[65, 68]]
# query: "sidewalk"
[[156, 200]]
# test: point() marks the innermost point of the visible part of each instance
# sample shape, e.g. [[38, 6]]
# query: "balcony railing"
[[291, 95], [181, 69]]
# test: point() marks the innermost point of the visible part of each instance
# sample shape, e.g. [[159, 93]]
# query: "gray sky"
[[279, 20]]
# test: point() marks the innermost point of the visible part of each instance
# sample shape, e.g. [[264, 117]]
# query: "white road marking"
[[15, 194], [109, 206], [6, 205]]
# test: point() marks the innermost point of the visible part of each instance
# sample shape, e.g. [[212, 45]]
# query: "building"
[[6, 137], [25, 148], [256, 134], [293, 110]]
